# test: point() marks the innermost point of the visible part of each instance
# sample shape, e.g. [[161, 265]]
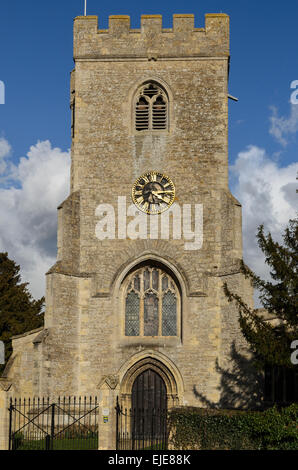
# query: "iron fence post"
[[10, 426], [53, 425], [117, 422], [48, 442]]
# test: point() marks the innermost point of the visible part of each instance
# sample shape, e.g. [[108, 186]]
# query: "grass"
[[90, 443]]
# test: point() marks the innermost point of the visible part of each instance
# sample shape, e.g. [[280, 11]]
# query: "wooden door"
[[149, 406]]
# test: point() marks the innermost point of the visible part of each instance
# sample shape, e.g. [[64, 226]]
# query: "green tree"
[[271, 342], [19, 312]]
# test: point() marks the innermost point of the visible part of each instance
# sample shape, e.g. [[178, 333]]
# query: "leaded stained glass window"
[[150, 314], [132, 317], [151, 303], [169, 314]]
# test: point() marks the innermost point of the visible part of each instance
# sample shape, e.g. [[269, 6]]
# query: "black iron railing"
[[68, 423], [141, 429]]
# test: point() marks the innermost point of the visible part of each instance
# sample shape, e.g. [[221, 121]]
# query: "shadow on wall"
[[241, 385]]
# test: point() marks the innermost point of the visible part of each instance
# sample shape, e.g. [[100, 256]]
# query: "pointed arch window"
[[151, 303], [151, 108]]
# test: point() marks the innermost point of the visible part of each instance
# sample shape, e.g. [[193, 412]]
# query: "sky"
[[35, 64]]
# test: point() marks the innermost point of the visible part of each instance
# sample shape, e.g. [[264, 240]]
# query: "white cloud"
[[268, 196], [28, 215], [281, 128]]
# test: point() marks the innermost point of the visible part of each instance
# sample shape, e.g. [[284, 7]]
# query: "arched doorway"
[[149, 407], [150, 386]]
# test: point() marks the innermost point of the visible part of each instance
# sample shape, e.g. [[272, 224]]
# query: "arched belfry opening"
[[151, 108]]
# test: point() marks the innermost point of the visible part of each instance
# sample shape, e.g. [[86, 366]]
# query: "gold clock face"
[[153, 192]]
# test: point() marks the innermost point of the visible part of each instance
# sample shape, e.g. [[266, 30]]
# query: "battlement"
[[151, 41]]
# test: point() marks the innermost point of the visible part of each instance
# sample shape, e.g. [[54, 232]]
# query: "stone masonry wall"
[[84, 320]]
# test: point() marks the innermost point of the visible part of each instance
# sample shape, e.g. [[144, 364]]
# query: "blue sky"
[[35, 62]]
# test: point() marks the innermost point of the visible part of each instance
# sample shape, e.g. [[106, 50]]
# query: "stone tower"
[[150, 230]]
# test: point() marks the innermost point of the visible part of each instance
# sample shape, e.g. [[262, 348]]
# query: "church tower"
[[150, 231]]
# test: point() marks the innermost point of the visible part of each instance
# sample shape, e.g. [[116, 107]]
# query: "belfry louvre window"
[[151, 303], [151, 108]]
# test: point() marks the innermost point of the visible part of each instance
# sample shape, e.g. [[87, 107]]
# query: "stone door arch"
[[140, 371]]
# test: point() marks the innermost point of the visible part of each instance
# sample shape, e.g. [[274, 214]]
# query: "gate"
[[144, 425], [141, 429], [40, 424]]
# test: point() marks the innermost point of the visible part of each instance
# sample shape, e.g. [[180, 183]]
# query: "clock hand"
[[159, 192], [157, 195]]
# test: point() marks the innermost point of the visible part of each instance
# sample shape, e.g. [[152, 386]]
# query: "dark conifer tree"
[[271, 341], [19, 312]]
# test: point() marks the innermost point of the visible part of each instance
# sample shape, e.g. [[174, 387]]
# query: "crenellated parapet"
[[151, 41]]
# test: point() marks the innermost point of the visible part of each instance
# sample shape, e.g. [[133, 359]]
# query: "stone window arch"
[[151, 108], [151, 303]]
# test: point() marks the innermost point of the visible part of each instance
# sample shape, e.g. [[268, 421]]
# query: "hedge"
[[202, 429]]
